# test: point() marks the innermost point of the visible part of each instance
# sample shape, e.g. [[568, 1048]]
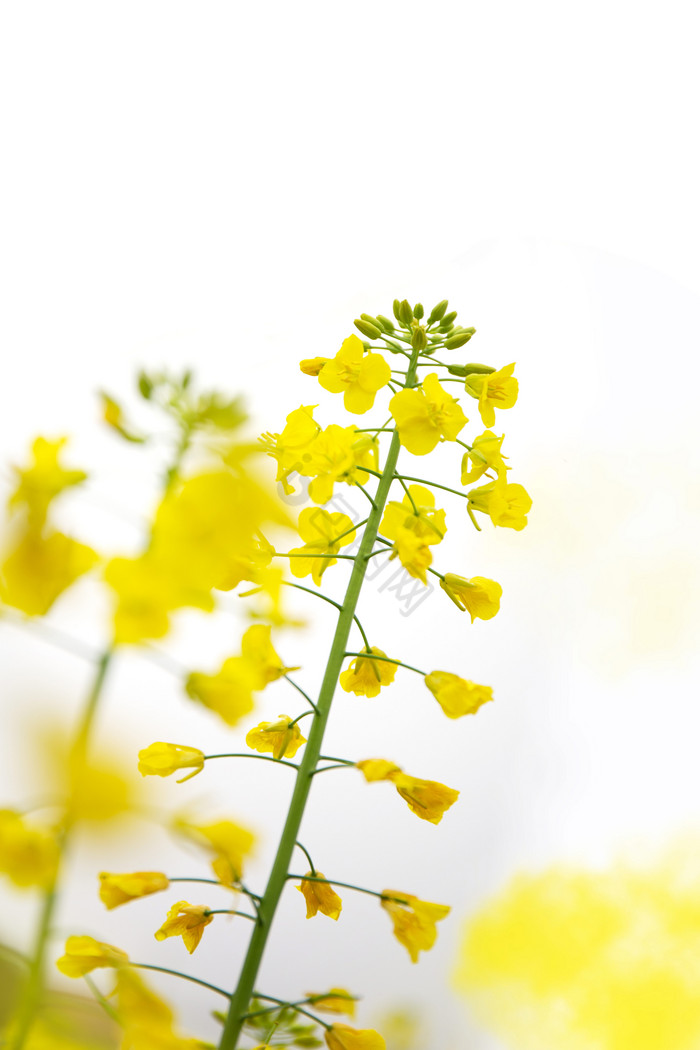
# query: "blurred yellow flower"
[[413, 552], [323, 534], [493, 390], [146, 1019], [39, 568], [365, 676], [147, 590], [29, 854], [425, 415], [186, 921], [358, 376], [41, 482], [320, 897], [228, 842], [457, 696], [414, 922], [97, 789], [258, 650], [479, 596], [415, 512], [229, 692], [279, 738], [341, 1037], [84, 954], [334, 1001], [120, 889], [161, 760], [485, 455]]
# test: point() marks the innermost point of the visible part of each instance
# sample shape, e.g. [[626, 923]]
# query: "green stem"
[[308, 857], [300, 690], [261, 758], [185, 977], [349, 886], [290, 833]]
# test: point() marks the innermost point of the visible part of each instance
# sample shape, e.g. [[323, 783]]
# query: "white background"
[[226, 186]]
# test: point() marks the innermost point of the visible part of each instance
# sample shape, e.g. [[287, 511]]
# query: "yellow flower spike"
[[425, 415], [413, 552], [229, 692], [257, 649], [365, 676], [186, 921], [414, 922], [41, 482], [311, 366], [342, 1037], [494, 390], [374, 769], [358, 376], [28, 854], [228, 842], [457, 696], [279, 738], [161, 760], [334, 1001], [416, 512], [485, 455], [320, 897], [319, 530], [84, 954], [338, 454], [479, 596], [291, 446], [39, 568], [120, 889], [428, 799]]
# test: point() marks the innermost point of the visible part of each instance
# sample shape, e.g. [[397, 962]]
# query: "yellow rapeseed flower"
[[229, 844], [311, 366], [278, 738], [493, 390], [334, 1001], [292, 446], [320, 897], [414, 922], [186, 921], [147, 590], [323, 534], [457, 696], [146, 1019], [28, 853], [258, 650], [479, 596], [84, 954], [118, 889], [365, 676], [40, 567], [374, 769], [413, 552], [339, 454], [342, 1037], [161, 760], [229, 692], [416, 512], [428, 799], [506, 504], [41, 482], [425, 415], [358, 376], [485, 455]]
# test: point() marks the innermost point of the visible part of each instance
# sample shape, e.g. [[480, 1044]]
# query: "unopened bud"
[[145, 385], [370, 320], [448, 319], [457, 370], [437, 312], [405, 313], [397, 306], [418, 310], [459, 338], [419, 339], [311, 366], [475, 369], [386, 324], [367, 328], [392, 346]]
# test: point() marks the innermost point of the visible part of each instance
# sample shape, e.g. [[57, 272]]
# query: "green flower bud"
[[448, 320], [405, 313], [459, 338], [392, 346], [371, 320], [418, 310], [397, 306], [419, 339], [457, 370], [386, 324], [474, 369], [437, 312], [368, 329], [145, 385]]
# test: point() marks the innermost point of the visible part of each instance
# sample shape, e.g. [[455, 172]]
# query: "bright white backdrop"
[[227, 186]]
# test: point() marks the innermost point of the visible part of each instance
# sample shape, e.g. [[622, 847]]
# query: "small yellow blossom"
[[365, 676], [479, 596], [485, 455], [98, 789], [416, 512], [457, 696], [258, 650], [358, 376], [425, 415], [120, 889], [413, 552], [342, 1037], [28, 854], [428, 799], [280, 738], [39, 568], [147, 590], [320, 896], [41, 482], [374, 769], [186, 921], [414, 922], [506, 504], [493, 390], [339, 454], [323, 534], [334, 1001], [84, 954], [311, 366], [228, 842], [161, 760], [292, 446], [229, 692]]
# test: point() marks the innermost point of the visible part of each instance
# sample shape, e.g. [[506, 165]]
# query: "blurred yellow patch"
[[41, 567], [577, 959]]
